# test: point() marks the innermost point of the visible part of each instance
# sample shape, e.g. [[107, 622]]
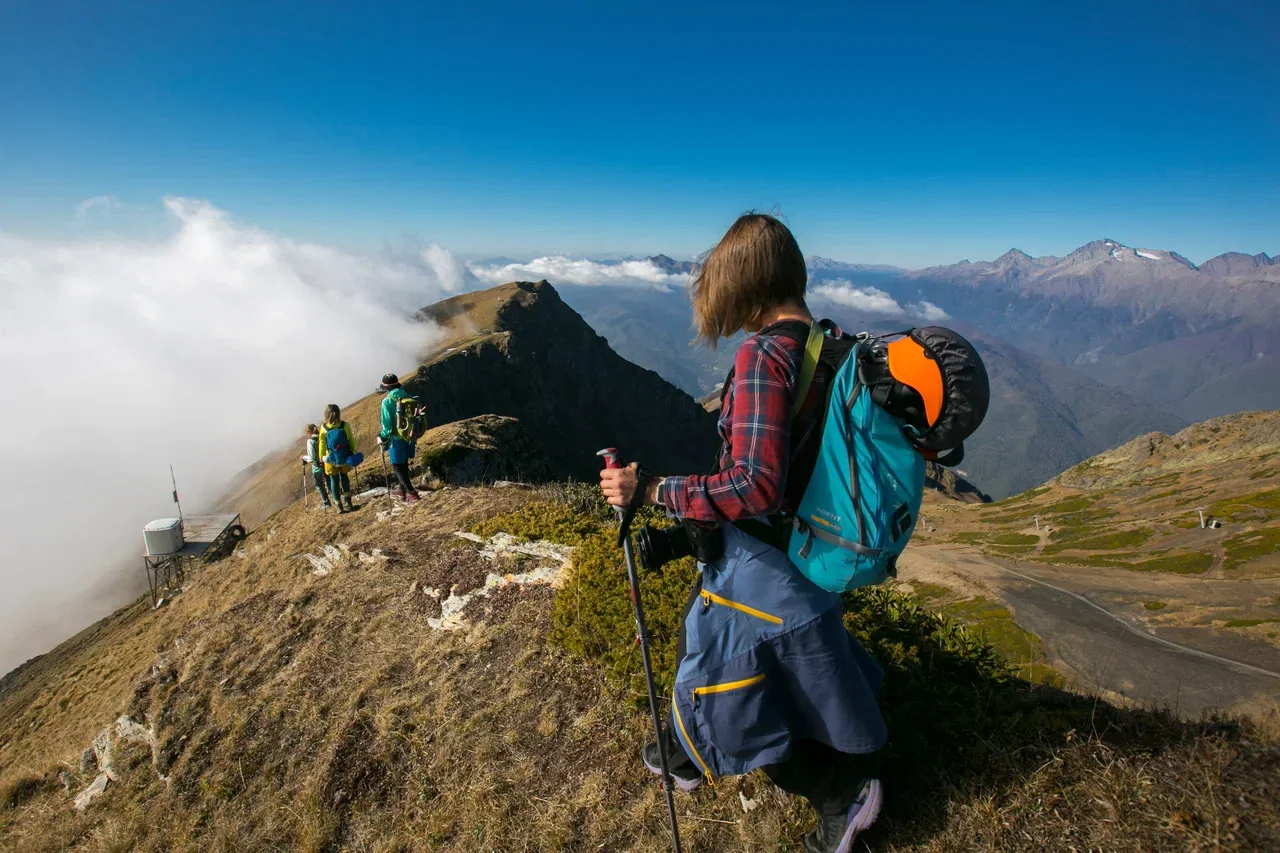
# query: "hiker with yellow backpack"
[[337, 447], [404, 421], [817, 491]]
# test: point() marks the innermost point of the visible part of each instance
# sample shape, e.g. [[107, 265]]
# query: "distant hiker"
[[808, 716], [403, 423], [337, 447], [312, 456]]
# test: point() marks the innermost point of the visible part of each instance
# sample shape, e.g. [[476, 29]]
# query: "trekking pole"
[[610, 455], [382, 451], [306, 495]]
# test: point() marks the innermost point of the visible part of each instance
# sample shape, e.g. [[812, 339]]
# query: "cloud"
[[207, 349], [106, 203], [872, 300], [561, 270], [869, 299], [926, 310]]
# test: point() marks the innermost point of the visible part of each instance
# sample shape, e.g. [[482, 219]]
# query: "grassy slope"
[[1135, 507], [321, 713]]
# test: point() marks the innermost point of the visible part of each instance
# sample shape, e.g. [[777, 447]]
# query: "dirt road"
[[1090, 629]]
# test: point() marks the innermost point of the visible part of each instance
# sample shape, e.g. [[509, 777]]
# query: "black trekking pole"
[[610, 455], [382, 451]]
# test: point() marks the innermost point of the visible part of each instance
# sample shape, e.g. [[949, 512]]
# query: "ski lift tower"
[[173, 545]]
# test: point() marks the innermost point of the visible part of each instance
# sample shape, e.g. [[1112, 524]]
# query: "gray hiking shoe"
[[686, 779], [836, 833]]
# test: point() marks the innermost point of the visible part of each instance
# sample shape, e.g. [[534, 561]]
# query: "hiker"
[[312, 456], [399, 435], [337, 447], [801, 702]]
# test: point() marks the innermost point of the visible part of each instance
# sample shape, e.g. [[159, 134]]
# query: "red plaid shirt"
[[759, 437]]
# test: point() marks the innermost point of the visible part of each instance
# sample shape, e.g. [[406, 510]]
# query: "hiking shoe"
[[411, 497], [681, 776], [326, 505], [836, 833], [397, 493]]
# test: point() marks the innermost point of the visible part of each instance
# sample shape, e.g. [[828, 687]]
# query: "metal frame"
[[169, 571]]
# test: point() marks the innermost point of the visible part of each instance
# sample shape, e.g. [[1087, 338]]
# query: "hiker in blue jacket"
[[767, 675], [399, 451]]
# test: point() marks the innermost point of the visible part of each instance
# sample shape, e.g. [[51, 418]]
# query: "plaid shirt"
[[759, 437]]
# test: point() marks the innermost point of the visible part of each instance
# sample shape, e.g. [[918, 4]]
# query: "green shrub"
[[1154, 605]]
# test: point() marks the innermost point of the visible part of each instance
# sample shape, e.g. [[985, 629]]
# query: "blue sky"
[[908, 133]]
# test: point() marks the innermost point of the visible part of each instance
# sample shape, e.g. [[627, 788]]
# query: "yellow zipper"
[[727, 686], [688, 741], [708, 597]]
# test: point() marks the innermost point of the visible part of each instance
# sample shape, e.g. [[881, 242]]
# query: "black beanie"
[[390, 381]]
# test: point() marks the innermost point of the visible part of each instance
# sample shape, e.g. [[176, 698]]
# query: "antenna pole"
[[174, 480]]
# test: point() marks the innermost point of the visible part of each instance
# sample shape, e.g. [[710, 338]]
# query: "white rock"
[[89, 794]]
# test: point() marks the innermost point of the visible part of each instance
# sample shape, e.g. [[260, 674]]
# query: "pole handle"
[[610, 455]]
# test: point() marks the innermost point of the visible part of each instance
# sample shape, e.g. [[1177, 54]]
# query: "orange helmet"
[[935, 381], [913, 367]]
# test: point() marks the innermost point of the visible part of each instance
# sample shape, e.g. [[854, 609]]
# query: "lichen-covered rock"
[[484, 449]]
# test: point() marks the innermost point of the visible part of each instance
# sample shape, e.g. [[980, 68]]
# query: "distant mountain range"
[[1086, 351]]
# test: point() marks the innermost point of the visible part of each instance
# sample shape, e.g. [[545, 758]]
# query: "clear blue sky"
[[907, 133]]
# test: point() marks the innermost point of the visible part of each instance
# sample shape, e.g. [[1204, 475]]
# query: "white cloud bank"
[[561, 270], [206, 349], [872, 300]]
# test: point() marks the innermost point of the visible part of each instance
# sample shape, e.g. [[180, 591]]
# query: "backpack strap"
[[808, 366]]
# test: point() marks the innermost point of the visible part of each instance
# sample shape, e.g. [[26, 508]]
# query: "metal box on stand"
[[162, 537]]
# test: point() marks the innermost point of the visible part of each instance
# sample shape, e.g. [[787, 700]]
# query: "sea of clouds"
[[872, 300], [561, 270], [206, 349]]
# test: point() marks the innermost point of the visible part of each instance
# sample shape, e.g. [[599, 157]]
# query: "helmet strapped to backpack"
[[411, 419], [934, 380]]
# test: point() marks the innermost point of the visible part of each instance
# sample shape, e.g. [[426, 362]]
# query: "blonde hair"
[[332, 414], [310, 429], [757, 265]]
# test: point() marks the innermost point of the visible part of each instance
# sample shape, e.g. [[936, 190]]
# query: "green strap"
[[812, 352]]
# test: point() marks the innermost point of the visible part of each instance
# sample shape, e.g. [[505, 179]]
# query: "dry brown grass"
[[322, 714]]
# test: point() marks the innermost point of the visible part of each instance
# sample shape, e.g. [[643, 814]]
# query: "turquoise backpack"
[[862, 500]]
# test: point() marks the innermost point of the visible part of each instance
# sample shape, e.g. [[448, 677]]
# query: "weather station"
[[171, 546]]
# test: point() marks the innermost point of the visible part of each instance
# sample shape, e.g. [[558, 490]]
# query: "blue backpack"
[[335, 441], [862, 500]]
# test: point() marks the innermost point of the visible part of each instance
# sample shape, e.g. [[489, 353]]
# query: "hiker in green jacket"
[[399, 449], [312, 457]]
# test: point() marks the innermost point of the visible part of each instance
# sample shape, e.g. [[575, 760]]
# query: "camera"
[[658, 546]]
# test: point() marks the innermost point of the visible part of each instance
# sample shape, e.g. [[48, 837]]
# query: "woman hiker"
[[399, 451], [767, 674], [312, 434], [337, 442]]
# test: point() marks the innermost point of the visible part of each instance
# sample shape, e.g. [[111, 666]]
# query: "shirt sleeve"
[[759, 443]]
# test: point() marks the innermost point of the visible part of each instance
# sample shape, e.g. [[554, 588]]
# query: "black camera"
[[658, 546]]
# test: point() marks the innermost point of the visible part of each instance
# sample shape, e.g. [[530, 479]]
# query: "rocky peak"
[[530, 356], [1238, 263]]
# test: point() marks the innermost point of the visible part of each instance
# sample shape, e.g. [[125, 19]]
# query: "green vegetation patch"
[[1243, 548], [1070, 539], [1247, 507], [1000, 543], [1154, 605], [1249, 623], [1177, 562]]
